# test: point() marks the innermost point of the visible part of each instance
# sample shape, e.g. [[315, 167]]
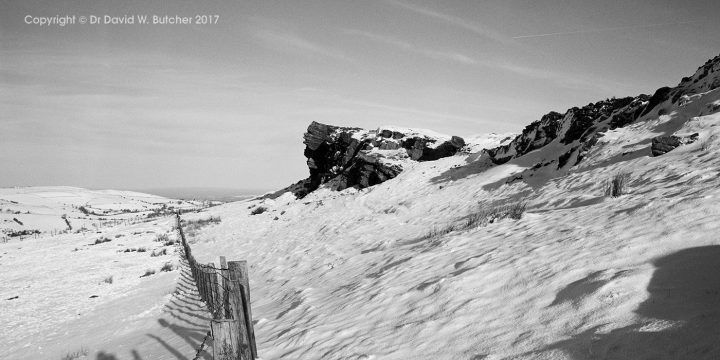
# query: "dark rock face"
[[630, 113], [588, 118], [578, 125], [580, 128], [534, 136], [660, 96], [343, 157], [663, 144]]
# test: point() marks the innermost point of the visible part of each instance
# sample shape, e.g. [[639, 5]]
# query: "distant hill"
[[205, 193]]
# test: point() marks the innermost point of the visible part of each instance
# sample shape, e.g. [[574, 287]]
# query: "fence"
[[226, 292]]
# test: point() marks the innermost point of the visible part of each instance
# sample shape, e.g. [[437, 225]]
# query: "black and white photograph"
[[360, 180]]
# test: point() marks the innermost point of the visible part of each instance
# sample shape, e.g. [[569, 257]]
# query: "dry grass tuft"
[[617, 186], [167, 267], [148, 272], [258, 210], [75, 354], [482, 217], [158, 253]]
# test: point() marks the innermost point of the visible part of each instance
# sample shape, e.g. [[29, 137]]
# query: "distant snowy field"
[[63, 294], [46, 208]]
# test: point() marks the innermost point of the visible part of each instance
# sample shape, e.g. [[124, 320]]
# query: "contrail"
[[606, 29]]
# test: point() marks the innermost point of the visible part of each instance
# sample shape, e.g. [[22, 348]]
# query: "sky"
[[225, 105]]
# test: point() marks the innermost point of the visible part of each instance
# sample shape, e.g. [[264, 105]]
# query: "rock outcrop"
[[343, 157], [664, 144], [577, 130]]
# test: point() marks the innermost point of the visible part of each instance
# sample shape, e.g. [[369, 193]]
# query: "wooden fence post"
[[214, 291], [206, 284], [240, 268], [245, 281], [201, 284], [235, 294], [223, 276], [226, 340]]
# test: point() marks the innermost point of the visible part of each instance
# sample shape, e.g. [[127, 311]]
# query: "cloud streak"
[[452, 21], [406, 46], [562, 79], [287, 41], [591, 31]]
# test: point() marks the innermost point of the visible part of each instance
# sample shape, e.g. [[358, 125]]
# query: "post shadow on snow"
[[105, 356], [680, 318], [185, 306]]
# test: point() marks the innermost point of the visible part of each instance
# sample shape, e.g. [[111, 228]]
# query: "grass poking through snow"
[[258, 210], [75, 354], [167, 267], [482, 217], [190, 227], [617, 186], [158, 253]]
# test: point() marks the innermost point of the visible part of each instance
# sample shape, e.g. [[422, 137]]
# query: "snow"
[[353, 274], [42, 208], [417, 132], [476, 143], [60, 297], [348, 275], [435, 138]]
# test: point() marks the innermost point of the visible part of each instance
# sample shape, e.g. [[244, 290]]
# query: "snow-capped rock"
[[342, 157]]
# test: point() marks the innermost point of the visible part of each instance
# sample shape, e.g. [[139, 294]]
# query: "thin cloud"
[[387, 40], [452, 20], [286, 41], [565, 80], [590, 31], [406, 46]]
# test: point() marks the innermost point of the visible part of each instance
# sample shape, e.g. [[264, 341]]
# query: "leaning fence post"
[[206, 285], [222, 277], [226, 340], [201, 284], [245, 280], [212, 281], [237, 306]]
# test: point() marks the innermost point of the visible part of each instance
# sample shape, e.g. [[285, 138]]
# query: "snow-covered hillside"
[[581, 276], [393, 271], [359, 274]]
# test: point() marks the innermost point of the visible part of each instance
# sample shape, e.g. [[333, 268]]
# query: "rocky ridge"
[[343, 157], [579, 128]]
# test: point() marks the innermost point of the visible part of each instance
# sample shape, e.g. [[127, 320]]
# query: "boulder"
[[664, 144]]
